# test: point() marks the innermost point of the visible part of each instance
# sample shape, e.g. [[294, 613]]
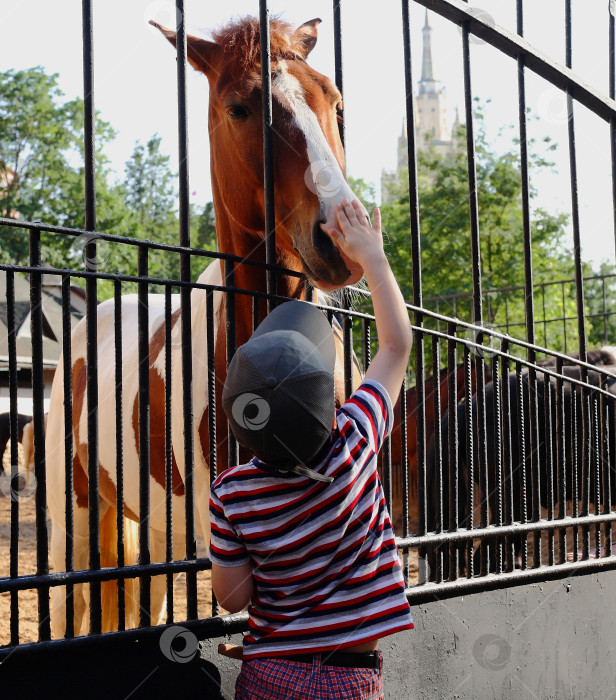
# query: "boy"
[[302, 532]]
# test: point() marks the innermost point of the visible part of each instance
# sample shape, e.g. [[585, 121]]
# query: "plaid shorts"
[[268, 679]]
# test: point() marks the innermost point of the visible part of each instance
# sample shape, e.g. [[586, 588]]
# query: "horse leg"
[[79, 598], [158, 586]]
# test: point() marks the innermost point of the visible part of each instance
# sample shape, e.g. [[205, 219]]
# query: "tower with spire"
[[431, 127]]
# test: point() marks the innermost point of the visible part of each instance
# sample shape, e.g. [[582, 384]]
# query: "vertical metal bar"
[[144, 434], [497, 487], [507, 451], [91, 312], [89, 115], [528, 276], [230, 343], [545, 316], [470, 456], [604, 311], [596, 471], [472, 179], [185, 301], [476, 273], [404, 458], [416, 268], [575, 465], [119, 449], [347, 331], [607, 456], [13, 432], [255, 313], [438, 452], [575, 219], [268, 151], [337, 11], [38, 392], [68, 448], [168, 451], [612, 90], [586, 464], [211, 398], [453, 557], [521, 466], [549, 459], [562, 458], [367, 348], [562, 289]]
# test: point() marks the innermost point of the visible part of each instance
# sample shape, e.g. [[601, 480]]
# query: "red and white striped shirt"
[[325, 566]]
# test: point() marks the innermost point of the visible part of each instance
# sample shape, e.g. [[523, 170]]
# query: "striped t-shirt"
[[325, 566]]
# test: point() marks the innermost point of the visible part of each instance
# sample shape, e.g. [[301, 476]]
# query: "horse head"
[[309, 164]]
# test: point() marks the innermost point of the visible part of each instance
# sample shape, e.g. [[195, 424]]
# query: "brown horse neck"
[[250, 246]]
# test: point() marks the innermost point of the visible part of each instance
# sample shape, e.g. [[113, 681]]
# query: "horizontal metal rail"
[[138, 242], [517, 528], [514, 45]]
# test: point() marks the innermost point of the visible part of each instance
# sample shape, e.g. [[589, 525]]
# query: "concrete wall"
[[549, 640], [553, 640]]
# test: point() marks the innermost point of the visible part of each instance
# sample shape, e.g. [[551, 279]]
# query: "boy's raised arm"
[[363, 243]]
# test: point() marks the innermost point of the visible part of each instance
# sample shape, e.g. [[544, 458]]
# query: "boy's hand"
[[231, 650], [360, 241]]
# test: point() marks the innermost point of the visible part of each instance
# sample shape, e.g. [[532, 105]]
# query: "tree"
[[445, 231], [42, 178], [41, 166]]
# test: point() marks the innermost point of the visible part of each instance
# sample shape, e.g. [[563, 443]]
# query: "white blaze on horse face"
[[324, 176]]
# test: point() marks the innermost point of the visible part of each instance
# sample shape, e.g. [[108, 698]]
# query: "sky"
[[135, 82]]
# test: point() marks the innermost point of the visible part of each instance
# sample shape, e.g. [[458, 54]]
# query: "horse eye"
[[236, 111]]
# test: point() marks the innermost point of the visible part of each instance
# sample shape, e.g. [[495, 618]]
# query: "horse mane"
[[242, 37]]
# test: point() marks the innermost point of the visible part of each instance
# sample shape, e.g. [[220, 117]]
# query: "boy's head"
[[279, 391]]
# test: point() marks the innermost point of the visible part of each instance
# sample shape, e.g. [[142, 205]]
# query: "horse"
[[5, 431], [518, 493], [309, 180]]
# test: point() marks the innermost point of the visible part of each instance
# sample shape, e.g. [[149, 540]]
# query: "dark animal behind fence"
[[533, 469], [5, 430]]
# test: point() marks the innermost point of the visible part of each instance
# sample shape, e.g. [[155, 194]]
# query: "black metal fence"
[[500, 469], [555, 321]]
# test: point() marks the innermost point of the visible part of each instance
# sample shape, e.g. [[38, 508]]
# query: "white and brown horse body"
[[309, 181]]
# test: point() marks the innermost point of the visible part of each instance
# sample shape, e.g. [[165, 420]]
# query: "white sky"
[[136, 91]]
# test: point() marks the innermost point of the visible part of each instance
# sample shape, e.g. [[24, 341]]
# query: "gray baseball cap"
[[279, 391]]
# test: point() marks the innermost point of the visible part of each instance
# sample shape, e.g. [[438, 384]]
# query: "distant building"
[[52, 336], [431, 128]]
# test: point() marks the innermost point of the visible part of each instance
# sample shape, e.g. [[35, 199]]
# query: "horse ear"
[[200, 53], [305, 37]]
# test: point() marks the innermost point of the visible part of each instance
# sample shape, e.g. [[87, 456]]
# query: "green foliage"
[[42, 178], [446, 247], [41, 158]]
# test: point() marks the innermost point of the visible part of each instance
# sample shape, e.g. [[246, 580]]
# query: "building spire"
[[426, 63]]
